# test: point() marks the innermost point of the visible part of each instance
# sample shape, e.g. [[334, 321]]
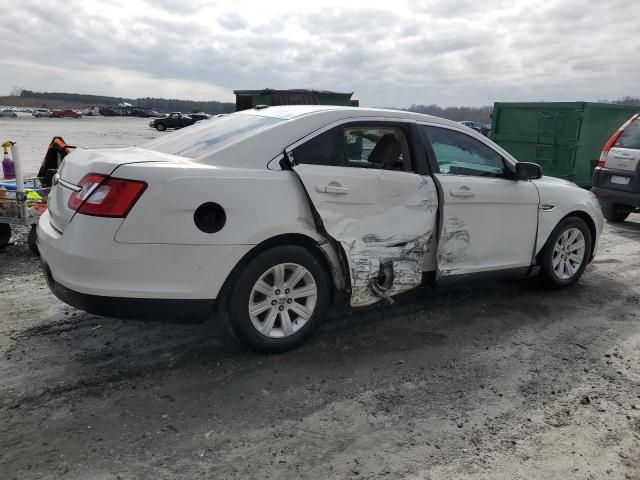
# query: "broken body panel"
[[384, 221], [488, 224]]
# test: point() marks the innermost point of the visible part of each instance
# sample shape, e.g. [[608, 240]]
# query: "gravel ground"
[[501, 380]]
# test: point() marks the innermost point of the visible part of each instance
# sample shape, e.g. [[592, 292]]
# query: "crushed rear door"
[[384, 220]]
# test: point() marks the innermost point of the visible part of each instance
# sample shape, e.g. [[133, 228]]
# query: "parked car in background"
[[66, 113], [91, 111], [616, 179], [8, 113], [41, 112], [109, 112], [269, 213], [198, 116], [177, 120], [483, 128]]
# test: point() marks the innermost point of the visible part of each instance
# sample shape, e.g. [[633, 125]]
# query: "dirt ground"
[[500, 380]]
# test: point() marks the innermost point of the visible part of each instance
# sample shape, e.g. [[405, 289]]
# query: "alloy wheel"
[[283, 300], [568, 253]]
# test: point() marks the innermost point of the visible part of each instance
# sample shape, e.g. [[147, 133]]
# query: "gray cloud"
[[233, 21], [438, 51]]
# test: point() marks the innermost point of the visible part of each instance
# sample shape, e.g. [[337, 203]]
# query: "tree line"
[[160, 104], [478, 114], [457, 114], [483, 114]]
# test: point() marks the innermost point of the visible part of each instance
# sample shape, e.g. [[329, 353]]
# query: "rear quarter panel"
[[258, 203]]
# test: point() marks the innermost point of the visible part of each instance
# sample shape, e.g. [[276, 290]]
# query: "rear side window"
[[357, 146], [630, 138], [376, 147], [323, 149]]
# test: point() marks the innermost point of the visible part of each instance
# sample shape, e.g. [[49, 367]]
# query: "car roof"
[[294, 123], [290, 112]]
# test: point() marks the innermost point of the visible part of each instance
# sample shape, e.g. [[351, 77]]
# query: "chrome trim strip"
[[63, 183]]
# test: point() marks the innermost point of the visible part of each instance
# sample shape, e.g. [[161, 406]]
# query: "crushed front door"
[[383, 219]]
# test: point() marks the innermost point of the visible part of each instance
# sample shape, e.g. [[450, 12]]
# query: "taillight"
[[104, 196], [612, 141]]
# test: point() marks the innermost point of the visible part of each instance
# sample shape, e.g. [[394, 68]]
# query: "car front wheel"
[[278, 299], [161, 127], [566, 253]]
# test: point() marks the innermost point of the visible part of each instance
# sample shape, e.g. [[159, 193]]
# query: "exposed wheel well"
[[279, 240]]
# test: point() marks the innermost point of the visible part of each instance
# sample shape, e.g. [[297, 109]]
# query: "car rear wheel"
[[566, 253], [616, 213], [278, 299], [161, 127]]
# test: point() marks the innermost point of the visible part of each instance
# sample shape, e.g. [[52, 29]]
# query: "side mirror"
[[528, 171]]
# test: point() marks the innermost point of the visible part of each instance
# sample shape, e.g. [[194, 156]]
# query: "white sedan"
[[269, 213]]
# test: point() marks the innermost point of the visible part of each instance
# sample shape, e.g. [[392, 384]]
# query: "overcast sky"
[[390, 53]]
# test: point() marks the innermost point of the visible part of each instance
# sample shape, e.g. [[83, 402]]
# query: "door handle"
[[462, 192], [337, 189]]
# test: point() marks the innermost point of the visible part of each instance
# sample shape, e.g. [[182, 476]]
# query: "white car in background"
[[7, 112], [41, 112], [269, 212], [91, 111]]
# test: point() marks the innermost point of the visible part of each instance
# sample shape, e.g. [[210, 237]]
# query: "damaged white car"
[[268, 213]]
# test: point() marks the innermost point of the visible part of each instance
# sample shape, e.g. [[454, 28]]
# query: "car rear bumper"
[[608, 197], [120, 307], [610, 193], [86, 259]]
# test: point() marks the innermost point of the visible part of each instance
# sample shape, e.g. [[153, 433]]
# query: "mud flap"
[[383, 219]]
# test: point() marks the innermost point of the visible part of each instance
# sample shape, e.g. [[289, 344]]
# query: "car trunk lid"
[[622, 157], [625, 152], [82, 162]]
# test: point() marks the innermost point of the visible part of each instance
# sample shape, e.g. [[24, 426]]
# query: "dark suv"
[[616, 179]]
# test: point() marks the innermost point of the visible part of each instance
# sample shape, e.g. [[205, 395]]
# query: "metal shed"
[[246, 99]]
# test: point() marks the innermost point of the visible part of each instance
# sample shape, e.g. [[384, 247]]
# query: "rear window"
[[324, 149], [209, 135], [630, 138]]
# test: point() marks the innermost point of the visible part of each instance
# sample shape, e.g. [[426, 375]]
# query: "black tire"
[[161, 127], [548, 276], [616, 213], [32, 241], [5, 234], [236, 309]]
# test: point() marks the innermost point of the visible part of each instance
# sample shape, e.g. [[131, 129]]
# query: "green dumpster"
[[565, 138], [246, 99]]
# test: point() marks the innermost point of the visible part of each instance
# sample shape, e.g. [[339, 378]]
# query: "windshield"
[[209, 135]]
